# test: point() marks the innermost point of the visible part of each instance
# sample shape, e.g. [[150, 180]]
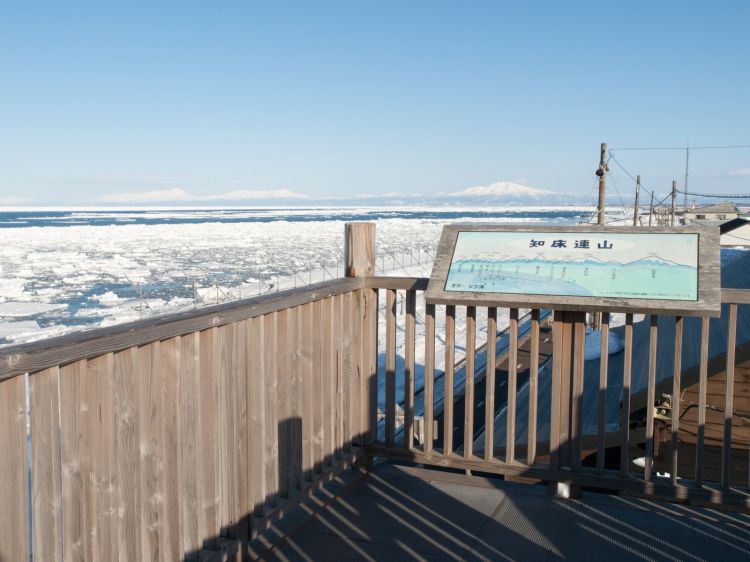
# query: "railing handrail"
[[35, 356]]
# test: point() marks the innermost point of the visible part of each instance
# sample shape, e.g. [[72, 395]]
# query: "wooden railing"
[[561, 457], [179, 437], [176, 438]]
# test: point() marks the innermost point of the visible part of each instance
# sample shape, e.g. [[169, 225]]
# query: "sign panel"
[[623, 265], [579, 268]]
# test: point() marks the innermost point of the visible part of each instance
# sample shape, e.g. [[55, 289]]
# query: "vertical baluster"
[[411, 305], [729, 399], [429, 374], [676, 396], [702, 381], [489, 400], [510, 439], [533, 387], [558, 337], [576, 410], [450, 362], [390, 366], [471, 321], [603, 367], [650, 396], [625, 403]]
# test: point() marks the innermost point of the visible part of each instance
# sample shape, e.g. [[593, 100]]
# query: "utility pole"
[[687, 163], [674, 197], [602, 173], [651, 209], [637, 200]]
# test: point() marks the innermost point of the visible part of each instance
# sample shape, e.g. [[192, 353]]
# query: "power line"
[[719, 195], [632, 177], [682, 147]]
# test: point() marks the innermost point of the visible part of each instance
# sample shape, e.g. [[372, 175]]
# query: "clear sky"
[[337, 98]]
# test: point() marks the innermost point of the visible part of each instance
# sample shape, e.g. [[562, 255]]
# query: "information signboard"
[[579, 268]]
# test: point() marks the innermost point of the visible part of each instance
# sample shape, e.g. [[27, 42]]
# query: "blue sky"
[[339, 98]]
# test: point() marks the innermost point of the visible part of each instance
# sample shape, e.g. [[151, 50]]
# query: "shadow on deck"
[[403, 513]]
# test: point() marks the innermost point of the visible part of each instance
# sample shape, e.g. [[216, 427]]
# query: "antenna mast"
[[687, 164], [602, 173]]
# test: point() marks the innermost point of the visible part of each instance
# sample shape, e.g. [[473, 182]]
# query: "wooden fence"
[[563, 452], [176, 438]]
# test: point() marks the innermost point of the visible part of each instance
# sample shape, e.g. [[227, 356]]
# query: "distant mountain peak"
[[501, 189]]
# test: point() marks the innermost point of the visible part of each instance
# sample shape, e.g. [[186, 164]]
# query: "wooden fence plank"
[[103, 456], [471, 322], [651, 395], [370, 362], [242, 490], [347, 361], [676, 372], [558, 337], [357, 370], [14, 499], [603, 367], [489, 399], [270, 360], [283, 402], [189, 447], [317, 387], [576, 408], [46, 464], [510, 442], [208, 466], [429, 375], [726, 455], [338, 304], [702, 382], [533, 388], [169, 402], [450, 362], [390, 366], [306, 389], [226, 427], [625, 402], [257, 430], [78, 402], [409, 364], [329, 381], [148, 380]]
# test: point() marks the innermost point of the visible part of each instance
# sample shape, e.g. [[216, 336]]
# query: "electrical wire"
[[731, 146]]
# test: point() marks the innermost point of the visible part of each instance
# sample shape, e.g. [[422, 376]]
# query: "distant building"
[[710, 215], [735, 233]]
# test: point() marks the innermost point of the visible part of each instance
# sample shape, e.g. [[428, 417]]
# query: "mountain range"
[[494, 194]]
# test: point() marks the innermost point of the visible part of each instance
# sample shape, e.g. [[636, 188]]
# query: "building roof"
[[725, 207], [733, 224]]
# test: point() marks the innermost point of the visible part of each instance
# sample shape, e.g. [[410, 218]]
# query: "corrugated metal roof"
[[735, 274]]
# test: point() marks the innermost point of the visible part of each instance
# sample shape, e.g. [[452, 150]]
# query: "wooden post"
[[651, 209], [359, 249], [674, 197], [359, 260], [602, 173], [637, 200], [567, 397]]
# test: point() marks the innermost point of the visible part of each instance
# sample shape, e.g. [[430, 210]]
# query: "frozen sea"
[[71, 269]]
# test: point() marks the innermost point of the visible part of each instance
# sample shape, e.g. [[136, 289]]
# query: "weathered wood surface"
[[52, 352], [14, 505], [359, 249], [175, 448]]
